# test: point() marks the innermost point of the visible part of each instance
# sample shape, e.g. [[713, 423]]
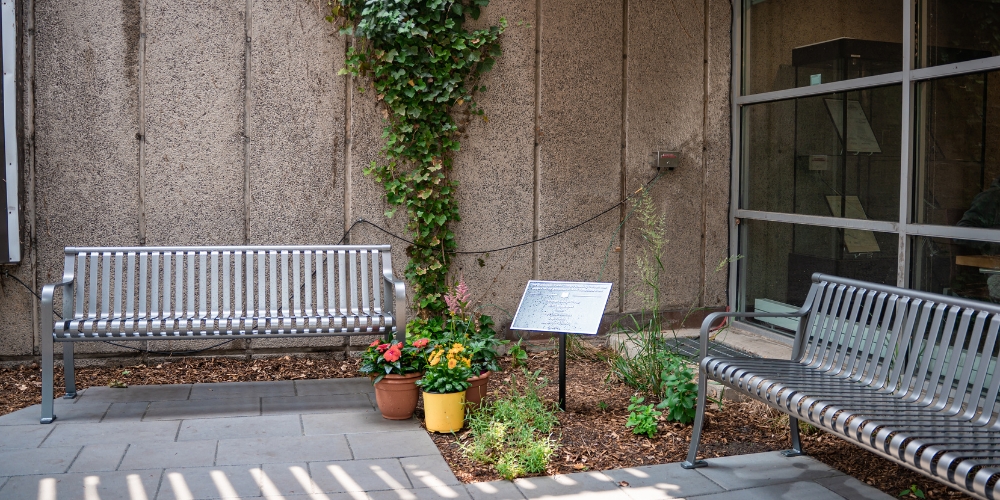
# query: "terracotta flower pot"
[[396, 395], [477, 391], [444, 412]]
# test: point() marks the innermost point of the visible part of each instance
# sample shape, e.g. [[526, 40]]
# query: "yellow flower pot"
[[444, 412]]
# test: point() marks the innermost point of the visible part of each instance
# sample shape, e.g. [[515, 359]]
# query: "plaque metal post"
[[562, 371]]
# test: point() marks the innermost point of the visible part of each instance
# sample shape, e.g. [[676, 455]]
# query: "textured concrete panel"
[[16, 332], [86, 119], [666, 108], [718, 154], [580, 137], [495, 169], [194, 114], [296, 126]]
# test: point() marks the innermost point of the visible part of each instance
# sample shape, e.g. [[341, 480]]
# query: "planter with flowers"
[[394, 369], [477, 333], [444, 383]]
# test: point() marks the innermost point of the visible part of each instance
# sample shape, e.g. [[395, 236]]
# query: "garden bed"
[[591, 434]]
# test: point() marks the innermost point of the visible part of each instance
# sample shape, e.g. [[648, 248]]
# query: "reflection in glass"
[[957, 30], [798, 158], [796, 43], [962, 268], [958, 151], [781, 258]]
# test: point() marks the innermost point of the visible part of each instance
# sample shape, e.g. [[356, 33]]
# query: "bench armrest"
[[706, 325], [398, 301], [47, 306]]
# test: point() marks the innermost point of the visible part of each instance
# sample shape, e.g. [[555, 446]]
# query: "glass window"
[[958, 151], [798, 159], [962, 268], [779, 260], [797, 43], [952, 31]]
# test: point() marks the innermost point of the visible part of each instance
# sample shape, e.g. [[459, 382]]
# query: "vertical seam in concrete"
[[623, 208], [247, 81], [704, 157], [348, 145], [29, 159], [536, 213], [141, 77]]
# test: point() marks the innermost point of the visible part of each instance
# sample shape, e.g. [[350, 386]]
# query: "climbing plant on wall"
[[424, 66]]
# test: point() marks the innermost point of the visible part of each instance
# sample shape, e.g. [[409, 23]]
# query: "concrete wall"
[[224, 122]]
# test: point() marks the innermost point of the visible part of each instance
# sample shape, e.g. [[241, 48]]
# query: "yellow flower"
[[452, 363]]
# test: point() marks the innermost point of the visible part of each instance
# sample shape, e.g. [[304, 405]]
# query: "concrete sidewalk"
[[317, 440]]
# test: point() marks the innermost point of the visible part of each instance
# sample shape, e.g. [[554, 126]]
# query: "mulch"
[[591, 434]]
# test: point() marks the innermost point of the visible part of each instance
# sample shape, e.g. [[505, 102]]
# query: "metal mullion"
[[735, 79], [954, 232], [820, 220], [906, 165], [823, 88], [956, 69]]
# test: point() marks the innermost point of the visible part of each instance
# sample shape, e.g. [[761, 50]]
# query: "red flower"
[[420, 343], [383, 347], [392, 355], [373, 344]]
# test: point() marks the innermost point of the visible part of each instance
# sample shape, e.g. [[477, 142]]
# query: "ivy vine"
[[424, 66]]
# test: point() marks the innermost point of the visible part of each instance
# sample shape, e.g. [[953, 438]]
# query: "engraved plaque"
[[562, 307]]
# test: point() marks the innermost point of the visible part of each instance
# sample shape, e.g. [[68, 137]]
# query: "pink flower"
[[383, 347], [458, 298], [420, 343], [392, 355], [373, 344]]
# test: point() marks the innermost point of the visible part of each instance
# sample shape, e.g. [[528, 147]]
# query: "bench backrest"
[[931, 348], [227, 282]]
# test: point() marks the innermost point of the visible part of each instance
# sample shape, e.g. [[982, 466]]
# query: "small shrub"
[[680, 393], [642, 418], [518, 356], [513, 433]]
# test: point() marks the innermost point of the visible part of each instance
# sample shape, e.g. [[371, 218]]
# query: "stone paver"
[[494, 490], [762, 469], [203, 408], [136, 393], [37, 461], [785, 491], [359, 475], [325, 441], [167, 455], [196, 483], [431, 471], [353, 422], [18, 437], [239, 427], [65, 414], [122, 432], [243, 390], [282, 449], [332, 403], [99, 457], [666, 481], [392, 444], [582, 486], [131, 485]]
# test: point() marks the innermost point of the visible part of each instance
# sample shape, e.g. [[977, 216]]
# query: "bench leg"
[[796, 442], [699, 418], [69, 369], [48, 414]]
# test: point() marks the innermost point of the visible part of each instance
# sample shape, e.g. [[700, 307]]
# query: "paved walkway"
[[318, 440]]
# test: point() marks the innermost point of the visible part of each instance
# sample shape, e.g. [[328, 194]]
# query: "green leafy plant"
[[381, 359], [601, 405], [913, 491], [642, 418], [680, 393], [514, 432], [423, 65], [518, 356]]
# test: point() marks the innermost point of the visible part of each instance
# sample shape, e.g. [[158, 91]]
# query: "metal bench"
[[207, 293], [908, 375]]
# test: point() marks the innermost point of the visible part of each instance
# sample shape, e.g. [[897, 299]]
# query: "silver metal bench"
[[909, 375], [207, 293]]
